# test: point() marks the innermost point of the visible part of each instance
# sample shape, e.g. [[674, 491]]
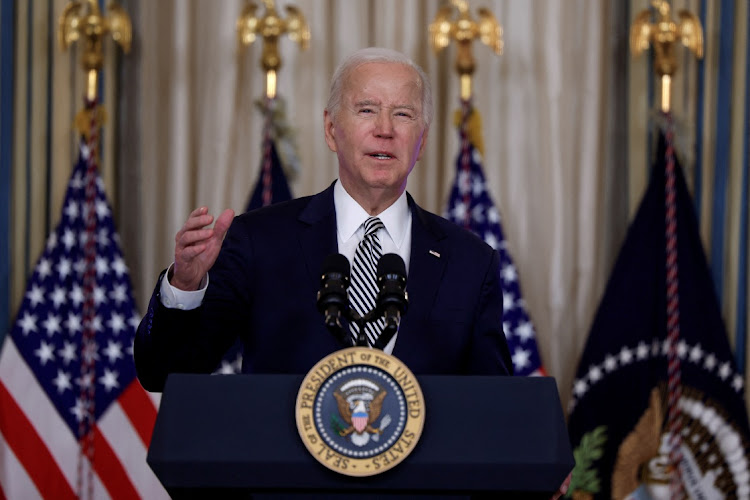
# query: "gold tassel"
[[473, 128]]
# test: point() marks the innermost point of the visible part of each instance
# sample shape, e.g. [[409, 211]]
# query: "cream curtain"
[[551, 108], [565, 116]]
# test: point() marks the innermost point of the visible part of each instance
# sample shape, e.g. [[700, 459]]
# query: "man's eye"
[[366, 110]]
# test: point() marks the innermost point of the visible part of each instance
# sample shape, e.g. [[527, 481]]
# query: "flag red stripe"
[[139, 409], [110, 470], [30, 450]]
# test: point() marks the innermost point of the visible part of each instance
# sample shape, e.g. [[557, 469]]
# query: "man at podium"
[[255, 276]]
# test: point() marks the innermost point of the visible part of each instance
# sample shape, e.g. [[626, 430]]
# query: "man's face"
[[378, 132]]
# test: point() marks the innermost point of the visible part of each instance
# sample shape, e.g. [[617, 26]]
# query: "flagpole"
[[664, 35], [463, 29], [84, 22], [470, 204], [270, 27]]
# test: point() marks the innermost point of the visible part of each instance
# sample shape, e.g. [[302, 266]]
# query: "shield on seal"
[[360, 417]]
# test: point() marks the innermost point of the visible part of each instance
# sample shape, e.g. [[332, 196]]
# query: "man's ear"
[[329, 130]]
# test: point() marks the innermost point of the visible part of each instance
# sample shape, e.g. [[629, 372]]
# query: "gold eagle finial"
[[663, 35], [464, 30], [270, 27], [82, 20]]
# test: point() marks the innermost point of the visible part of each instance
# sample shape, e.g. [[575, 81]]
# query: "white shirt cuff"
[[174, 298]]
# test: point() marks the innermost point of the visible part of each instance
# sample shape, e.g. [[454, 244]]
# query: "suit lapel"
[[318, 233], [426, 267]]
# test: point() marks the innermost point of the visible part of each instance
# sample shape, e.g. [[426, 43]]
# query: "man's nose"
[[384, 125]]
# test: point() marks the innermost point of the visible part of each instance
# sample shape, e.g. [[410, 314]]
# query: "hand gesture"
[[197, 246]]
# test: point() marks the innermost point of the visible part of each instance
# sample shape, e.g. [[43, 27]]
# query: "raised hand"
[[197, 246]]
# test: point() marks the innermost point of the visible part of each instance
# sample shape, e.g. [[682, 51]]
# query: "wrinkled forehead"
[[385, 83]]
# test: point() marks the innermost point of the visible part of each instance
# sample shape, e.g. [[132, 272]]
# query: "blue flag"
[[471, 206], [73, 416], [271, 187], [618, 411]]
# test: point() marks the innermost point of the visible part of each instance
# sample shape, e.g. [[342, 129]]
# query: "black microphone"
[[332, 297], [392, 297]]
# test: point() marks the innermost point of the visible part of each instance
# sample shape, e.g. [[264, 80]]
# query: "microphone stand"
[[391, 301], [390, 329], [334, 326]]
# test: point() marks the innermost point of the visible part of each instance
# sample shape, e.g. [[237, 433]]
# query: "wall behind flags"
[[565, 115]]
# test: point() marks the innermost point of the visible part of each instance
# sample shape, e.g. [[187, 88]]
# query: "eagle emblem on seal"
[[360, 403]]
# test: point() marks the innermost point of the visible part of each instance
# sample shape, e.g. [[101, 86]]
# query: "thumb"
[[223, 223]]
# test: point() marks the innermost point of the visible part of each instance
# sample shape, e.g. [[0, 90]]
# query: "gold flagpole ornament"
[[663, 35], [82, 20], [270, 28], [464, 30]]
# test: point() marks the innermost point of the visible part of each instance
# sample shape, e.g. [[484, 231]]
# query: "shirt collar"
[[350, 215]]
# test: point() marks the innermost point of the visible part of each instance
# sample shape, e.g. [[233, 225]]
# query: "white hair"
[[374, 55]]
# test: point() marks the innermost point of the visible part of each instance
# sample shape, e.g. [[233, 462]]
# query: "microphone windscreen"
[[391, 263], [336, 263]]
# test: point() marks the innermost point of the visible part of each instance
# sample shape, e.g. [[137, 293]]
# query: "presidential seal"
[[360, 411]]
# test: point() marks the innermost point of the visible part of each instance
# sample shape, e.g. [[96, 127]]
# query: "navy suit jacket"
[[263, 290]]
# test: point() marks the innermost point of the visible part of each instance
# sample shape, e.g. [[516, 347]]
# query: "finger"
[[188, 238], [199, 211], [194, 222], [192, 251], [198, 221], [223, 222]]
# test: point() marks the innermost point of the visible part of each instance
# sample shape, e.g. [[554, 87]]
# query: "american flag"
[[74, 420], [471, 206]]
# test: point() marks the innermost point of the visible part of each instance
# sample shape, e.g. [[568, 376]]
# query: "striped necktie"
[[363, 289]]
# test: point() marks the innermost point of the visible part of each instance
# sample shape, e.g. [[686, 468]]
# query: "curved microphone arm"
[[392, 299]]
